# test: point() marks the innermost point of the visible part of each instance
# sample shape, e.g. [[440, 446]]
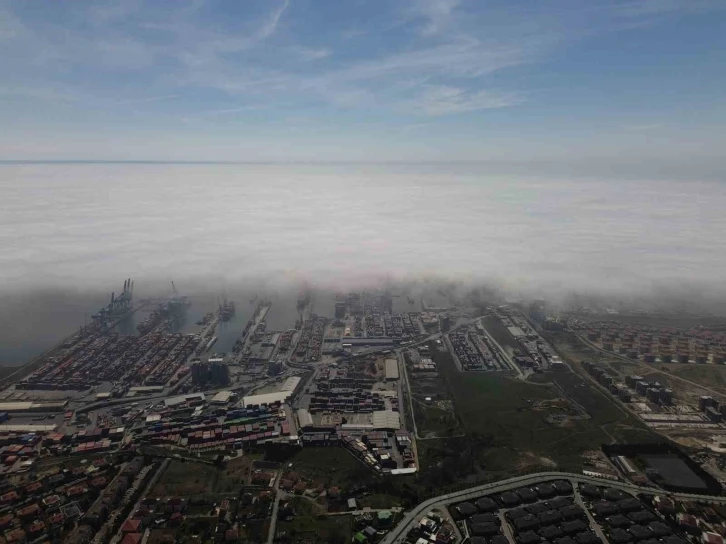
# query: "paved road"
[[400, 531], [275, 507], [593, 524], [142, 494]]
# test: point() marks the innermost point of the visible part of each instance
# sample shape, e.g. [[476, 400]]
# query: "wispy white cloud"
[[434, 14], [270, 25], [308, 54], [644, 127], [446, 100], [441, 62], [650, 8], [141, 100]]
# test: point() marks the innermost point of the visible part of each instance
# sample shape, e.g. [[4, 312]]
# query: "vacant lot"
[[506, 426], [432, 421], [186, 478], [308, 524], [331, 466], [596, 403], [713, 376]]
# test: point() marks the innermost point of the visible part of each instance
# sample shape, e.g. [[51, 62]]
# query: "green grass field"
[[431, 420], [507, 430], [189, 478], [331, 467], [710, 375], [308, 524], [500, 333]]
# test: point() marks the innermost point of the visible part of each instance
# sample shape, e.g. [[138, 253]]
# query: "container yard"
[[106, 396]]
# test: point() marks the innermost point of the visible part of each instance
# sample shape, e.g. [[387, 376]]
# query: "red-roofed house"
[[28, 512], [132, 538], [712, 538], [300, 487], [57, 519], [36, 528], [9, 497], [16, 536], [6, 520], [131, 526]]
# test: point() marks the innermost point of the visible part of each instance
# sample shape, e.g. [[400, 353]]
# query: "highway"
[[402, 529]]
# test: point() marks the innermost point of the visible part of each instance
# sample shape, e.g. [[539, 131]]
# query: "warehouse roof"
[[516, 332], [391, 369], [32, 406], [30, 428], [386, 419], [222, 397], [290, 384], [173, 401], [146, 388], [266, 398], [304, 417]]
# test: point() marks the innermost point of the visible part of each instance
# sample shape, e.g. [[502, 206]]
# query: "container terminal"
[[116, 409], [124, 401]]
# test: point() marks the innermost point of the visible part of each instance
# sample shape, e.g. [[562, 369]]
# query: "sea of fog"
[[84, 227]]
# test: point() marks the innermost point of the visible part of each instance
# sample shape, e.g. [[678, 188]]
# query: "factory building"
[[266, 398], [33, 406], [192, 398], [386, 419], [304, 418], [391, 369], [221, 398]]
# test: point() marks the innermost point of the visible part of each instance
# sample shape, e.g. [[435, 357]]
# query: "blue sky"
[[511, 80]]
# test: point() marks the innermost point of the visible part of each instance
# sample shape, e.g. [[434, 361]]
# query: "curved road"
[[401, 530]]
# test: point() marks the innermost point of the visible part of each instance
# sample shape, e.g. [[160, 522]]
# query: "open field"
[[310, 525], [500, 333], [186, 478], [434, 421], [506, 423], [379, 500], [331, 467], [712, 375]]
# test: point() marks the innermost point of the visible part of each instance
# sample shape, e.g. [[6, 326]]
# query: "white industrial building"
[[22, 406], [386, 419], [222, 397], [174, 401], [266, 398], [391, 369], [304, 418]]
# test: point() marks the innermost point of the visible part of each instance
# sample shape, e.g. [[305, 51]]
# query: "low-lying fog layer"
[[91, 223], [88, 226]]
